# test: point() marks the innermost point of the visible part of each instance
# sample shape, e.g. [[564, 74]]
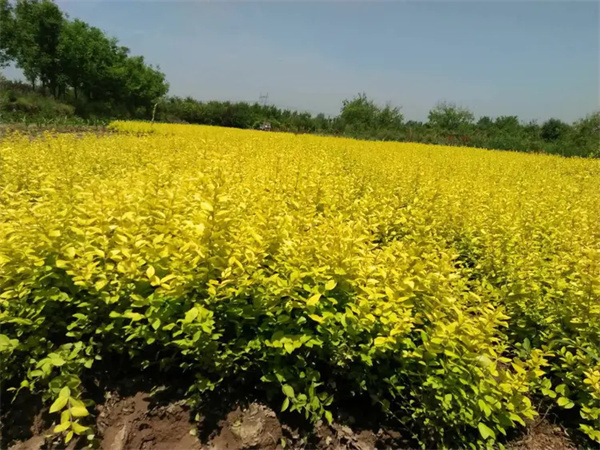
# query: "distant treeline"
[[75, 72], [361, 118], [75, 63]]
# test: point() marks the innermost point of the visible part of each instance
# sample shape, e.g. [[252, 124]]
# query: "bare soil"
[[136, 423], [544, 436]]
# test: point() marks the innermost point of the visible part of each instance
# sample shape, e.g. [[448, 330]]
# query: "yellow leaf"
[[58, 404], [79, 411], [330, 285], [150, 272], [78, 428], [312, 301], [100, 284], [62, 427], [380, 341]]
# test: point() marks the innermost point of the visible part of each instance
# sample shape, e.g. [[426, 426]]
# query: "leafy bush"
[[15, 105], [455, 290]]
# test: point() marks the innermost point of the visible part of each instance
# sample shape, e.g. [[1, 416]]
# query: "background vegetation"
[[75, 73]]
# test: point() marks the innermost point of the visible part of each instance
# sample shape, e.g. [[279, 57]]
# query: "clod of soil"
[[128, 423], [254, 427]]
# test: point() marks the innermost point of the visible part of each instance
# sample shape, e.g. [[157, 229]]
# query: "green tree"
[[508, 124], [36, 28], [450, 118], [86, 56], [389, 117], [485, 123], [359, 113], [586, 135], [141, 85], [7, 45], [553, 130]]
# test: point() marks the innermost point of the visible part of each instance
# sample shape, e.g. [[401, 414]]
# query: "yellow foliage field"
[[456, 289]]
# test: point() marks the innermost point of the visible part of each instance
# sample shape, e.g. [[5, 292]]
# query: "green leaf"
[[191, 315], [289, 347], [484, 407], [329, 416], [285, 404], [69, 436], [288, 390], [7, 344], [316, 318], [56, 360], [330, 285], [65, 392], [59, 404], [517, 418], [134, 316], [565, 403], [485, 431]]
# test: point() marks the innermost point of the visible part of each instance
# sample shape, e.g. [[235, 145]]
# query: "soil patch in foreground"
[[544, 435], [136, 423], [129, 423]]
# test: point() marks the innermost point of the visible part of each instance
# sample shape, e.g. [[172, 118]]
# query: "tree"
[[508, 123], [553, 130], [35, 28], [359, 113], [322, 123], [7, 45], [485, 123], [389, 117], [450, 118], [586, 135], [140, 85], [86, 56]]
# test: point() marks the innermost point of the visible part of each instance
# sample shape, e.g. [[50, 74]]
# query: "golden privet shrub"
[[456, 289]]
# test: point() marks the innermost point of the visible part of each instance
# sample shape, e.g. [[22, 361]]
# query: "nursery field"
[[452, 293]]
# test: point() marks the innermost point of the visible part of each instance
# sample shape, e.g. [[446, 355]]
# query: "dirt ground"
[[135, 423], [544, 436]]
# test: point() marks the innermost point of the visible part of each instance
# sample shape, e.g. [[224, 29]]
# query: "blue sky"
[[536, 59]]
